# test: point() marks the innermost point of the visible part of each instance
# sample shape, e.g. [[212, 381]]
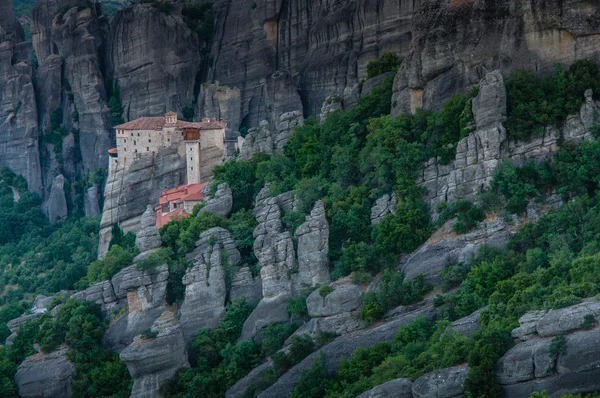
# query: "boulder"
[[153, 361], [519, 363], [221, 203], [527, 325], [313, 248], [45, 376], [399, 388], [567, 319], [344, 298], [432, 259], [443, 383], [148, 237], [468, 325]]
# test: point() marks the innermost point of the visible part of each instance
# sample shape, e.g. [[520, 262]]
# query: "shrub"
[[589, 322], [148, 334], [325, 291], [387, 62], [314, 382]]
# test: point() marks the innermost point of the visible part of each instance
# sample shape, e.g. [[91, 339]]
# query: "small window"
[[134, 142], [147, 149], [149, 140], [125, 140], [125, 149], [168, 140], [192, 168], [132, 134], [135, 151], [191, 158], [182, 133], [190, 149], [138, 134]]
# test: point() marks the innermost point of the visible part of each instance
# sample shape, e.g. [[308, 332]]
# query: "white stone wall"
[[210, 138], [192, 158]]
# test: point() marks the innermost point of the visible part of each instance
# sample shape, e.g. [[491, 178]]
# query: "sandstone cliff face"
[[154, 58], [454, 46]]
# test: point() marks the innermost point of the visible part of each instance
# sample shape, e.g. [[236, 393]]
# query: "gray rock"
[[432, 259], [91, 202], [344, 298], [148, 237], [55, 206], [344, 347], [443, 383], [269, 311], [205, 294], [382, 207], [564, 320], [239, 388], [519, 363], [313, 248], [340, 324], [45, 375], [244, 285], [152, 362], [130, 188], [399, 388], [373, 82], [527, 325], [468, 325], [332, 104], [221, 203], [489, 106]]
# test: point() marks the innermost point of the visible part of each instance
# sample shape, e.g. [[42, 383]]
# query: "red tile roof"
[[112, 151], [182, 193], [153, 123]]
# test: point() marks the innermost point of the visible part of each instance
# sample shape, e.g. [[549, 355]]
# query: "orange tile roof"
[[152, 123], [182, 193], [112, 151]]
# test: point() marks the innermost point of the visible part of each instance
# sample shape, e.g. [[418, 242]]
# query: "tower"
[[192, 154]]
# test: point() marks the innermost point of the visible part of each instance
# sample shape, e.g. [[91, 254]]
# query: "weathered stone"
[[382, 207], [518, 363], [148, 237], [432, 259], [205, 292], [56, 205], [399, 388], [221, 203], [91, 202], [313, 248], [45, 376], [344, 298], [332, 104], [239, 388], [468, 325], [443, 383], [489, 106], [527, 325], [243, 284], [564, 320], [344, 347], [154, 361]]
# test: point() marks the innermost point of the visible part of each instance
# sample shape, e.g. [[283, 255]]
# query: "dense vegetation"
[[79, 326]]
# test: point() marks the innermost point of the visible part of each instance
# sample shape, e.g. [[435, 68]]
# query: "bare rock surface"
[[148, 237], [151, 362], [221, 203], [399, 388], [313, 248], [443, 383], [45, 376], [344, 298]]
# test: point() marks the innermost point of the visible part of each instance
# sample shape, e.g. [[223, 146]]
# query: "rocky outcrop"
[[205, 288], [468, 325], [221, 102], [144, 293], [479, 155], [399, 388], [154, 58], [221, 203], [382, 207], [56, 206], [335, 313], [275, 252], [343, 347], [244, 285], [10, 28], [45, 375], [264, 139], [435, 255], [91, 200], [454, 44], [445, 383], [313, 248], [531, 366], [153, 360], [148, 237], [131, 188]]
